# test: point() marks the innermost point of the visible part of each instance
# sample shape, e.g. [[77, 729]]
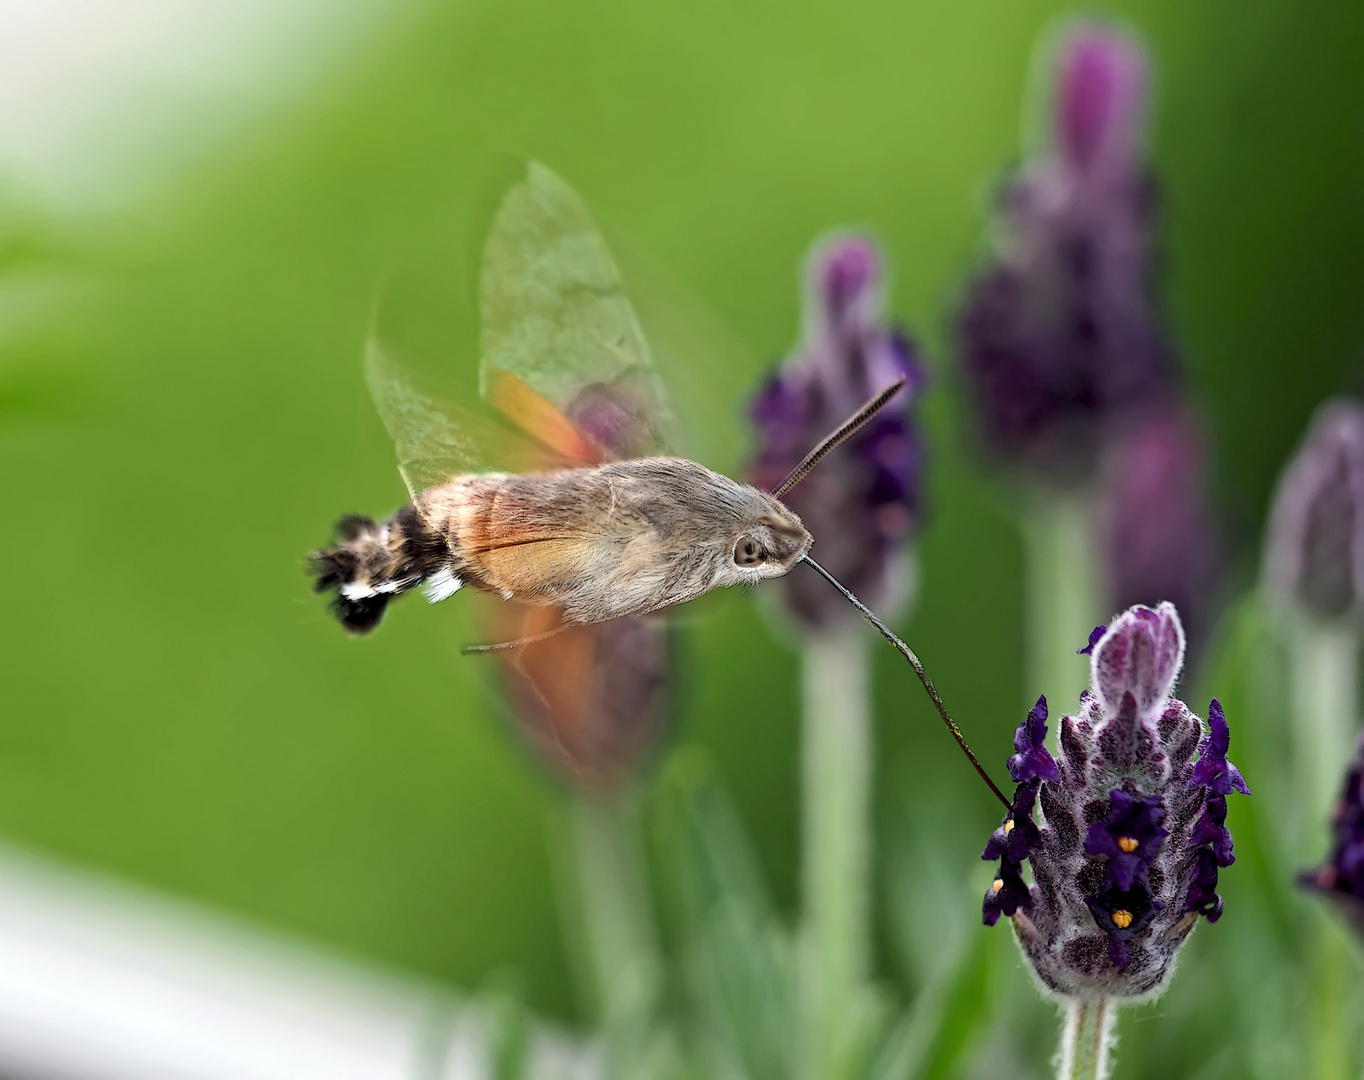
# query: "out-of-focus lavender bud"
[[1314, 557], [861, 503], [1341, 877], [1158, 539], [1059, 332], [1100, 100], [592, 700], [1133, 829]]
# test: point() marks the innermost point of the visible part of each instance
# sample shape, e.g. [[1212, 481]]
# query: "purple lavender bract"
[[1315, 554], [1133, 827], [1059, 331], [862, 503]]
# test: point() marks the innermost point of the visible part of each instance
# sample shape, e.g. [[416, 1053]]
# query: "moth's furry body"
[[599, 543]]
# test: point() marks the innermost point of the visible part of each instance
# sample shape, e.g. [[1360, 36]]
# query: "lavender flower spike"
[[1134, 828], [1059, 333], [1314, 557], [863, 501]]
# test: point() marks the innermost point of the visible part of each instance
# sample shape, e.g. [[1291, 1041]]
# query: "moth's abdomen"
[[373, 563]]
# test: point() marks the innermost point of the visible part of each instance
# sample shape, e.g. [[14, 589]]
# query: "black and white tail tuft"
[[372, 563]]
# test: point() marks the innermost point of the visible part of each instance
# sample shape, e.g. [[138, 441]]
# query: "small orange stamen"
[[1122, 919], [1008, 826], [997, 884], [1128, 843]]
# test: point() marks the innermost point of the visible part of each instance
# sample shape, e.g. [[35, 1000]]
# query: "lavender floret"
[[1124, 914], [1213, 770], [1131, 837], [1017, 836], [1007, 893]]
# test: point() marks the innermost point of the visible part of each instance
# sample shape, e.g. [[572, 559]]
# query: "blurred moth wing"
[[555, 319], [564, 360]]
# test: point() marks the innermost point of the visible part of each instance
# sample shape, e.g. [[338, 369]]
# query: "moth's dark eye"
[[748, 552]]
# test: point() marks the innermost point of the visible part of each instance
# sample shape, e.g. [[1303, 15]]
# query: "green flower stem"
[[622, 945], [1331, 1052], [1325, 660], [1064, 598], [1086, 1039], [835, 795]]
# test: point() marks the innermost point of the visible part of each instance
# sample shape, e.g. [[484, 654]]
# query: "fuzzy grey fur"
[[624, 538]]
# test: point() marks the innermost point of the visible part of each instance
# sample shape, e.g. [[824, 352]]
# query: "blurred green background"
[[183, 415]]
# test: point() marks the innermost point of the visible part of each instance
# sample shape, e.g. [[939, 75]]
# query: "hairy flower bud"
[[1314, 558], [1059, 332], [592, 700], [863, 501], [1133, 830]]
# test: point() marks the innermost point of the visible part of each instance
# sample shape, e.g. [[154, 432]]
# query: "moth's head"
[[768, 540]]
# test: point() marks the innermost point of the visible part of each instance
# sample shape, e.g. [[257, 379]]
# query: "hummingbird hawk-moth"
[[611, 527]]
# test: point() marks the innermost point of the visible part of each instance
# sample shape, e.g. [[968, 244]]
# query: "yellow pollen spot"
[[1122, 919], [1128, 843], [998, 884], [1008, 826]]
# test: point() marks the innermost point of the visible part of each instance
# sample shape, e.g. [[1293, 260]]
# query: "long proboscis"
[[918, 667], [849, 428]]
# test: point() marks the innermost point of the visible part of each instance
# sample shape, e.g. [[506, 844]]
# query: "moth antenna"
[[849, 428], [914, 662], [503, 646]]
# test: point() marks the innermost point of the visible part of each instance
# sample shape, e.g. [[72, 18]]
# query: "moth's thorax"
[[614, 539]]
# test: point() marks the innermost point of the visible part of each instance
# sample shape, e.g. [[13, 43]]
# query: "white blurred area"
[[108, 982], [102, 100]]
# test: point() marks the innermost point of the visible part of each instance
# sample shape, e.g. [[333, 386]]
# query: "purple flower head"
[[1155, 531], [1124, 824], [1341, 877], [1006, 893], [1314, 555], [596, 729], [1032, 758], [1018, 835], [1131, 837], [1213, 770], [1059, 333], [862, 503]]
